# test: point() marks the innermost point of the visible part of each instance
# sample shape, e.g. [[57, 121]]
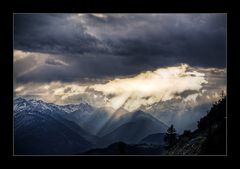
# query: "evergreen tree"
[[170, 137]]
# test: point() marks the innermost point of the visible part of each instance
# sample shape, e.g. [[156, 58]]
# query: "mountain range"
[[42, 128], [136, 126]]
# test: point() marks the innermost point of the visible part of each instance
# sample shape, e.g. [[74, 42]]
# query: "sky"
[[173, 63]]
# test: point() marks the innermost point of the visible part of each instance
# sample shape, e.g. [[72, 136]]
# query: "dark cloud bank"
[[118, 44]]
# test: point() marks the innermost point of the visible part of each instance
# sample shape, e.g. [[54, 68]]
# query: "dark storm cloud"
[[83, 68], [192, 42], [51, 33], [119, 44]]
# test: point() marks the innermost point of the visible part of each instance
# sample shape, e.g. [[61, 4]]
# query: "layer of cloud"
[[39, 67], [52, 61], [150, 87], [103, 45], [182, 82]]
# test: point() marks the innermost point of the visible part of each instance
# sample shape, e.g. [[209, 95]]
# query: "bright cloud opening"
[[150, 87], [136, 92]]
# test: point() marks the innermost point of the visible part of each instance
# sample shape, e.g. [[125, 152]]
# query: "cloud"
[[99, 15], [40, 67], [103, 45], [52, 33], [132, 92], [20, 55], [26, 62], [55, 92], [56, 62], [150, 87], [192, 97]]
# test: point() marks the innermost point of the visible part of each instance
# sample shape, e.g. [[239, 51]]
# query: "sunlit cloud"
[[55, 92], [131, 93], [26, 62], [19, 55], [192, 97], [99, 15], [150, 87]]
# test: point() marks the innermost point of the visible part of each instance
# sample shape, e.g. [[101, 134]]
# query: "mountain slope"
[[46, 128], [118, 118], [39, 128], [209, 138], [121, 148], [89, 118], [122, 116], [157, 138], [139, 126]]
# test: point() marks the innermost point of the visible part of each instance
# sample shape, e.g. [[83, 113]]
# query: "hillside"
[[139, 126], [39, 128], [209, 138], [157, 138], [121, 148]]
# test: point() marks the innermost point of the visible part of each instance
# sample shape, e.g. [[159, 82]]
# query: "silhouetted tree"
[[214, 115], [203, 123], [170, 137], [186, 133], [216, 129], [212, 126]]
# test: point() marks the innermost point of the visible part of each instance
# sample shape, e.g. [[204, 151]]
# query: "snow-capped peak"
[[23, 104], [26, 104]]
